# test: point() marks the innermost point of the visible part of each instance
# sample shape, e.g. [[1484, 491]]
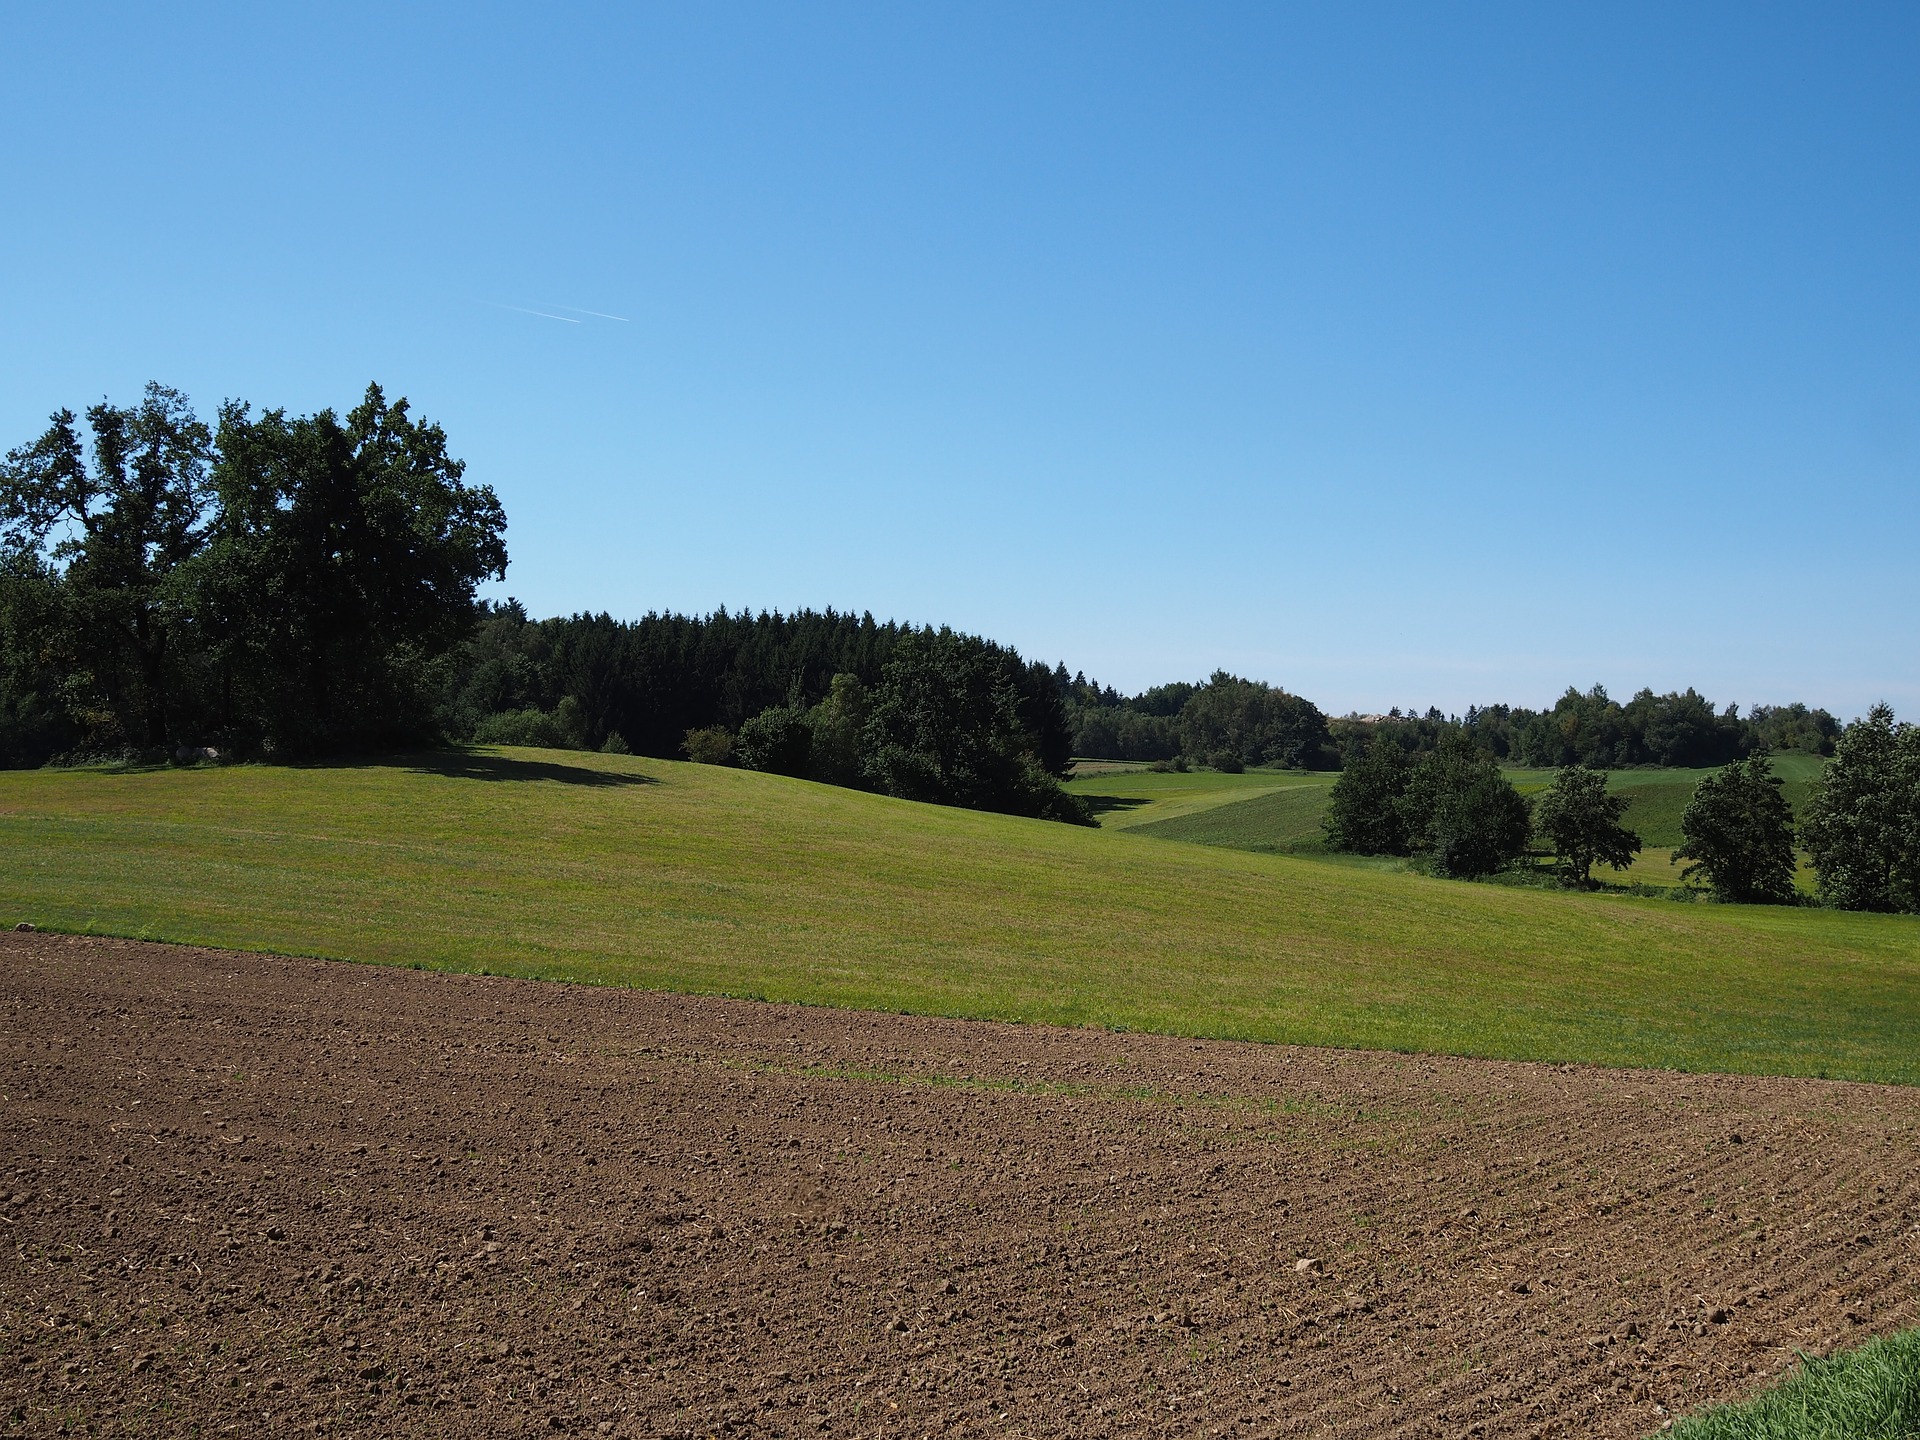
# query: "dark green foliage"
[[1110, 726], [1365, 810], [285, 588], [1257, 724], [1792, 727], [1591, 729], [955, 720], [778, 740], [1462, 816], [1862, 824], [34, 725], [106, 544], [522, 727], [343, 554], [1581, 821], [1118, 732], [1739, 834], [1676, 729], [794, 694], [838, 723], [656, 678], [709, 745]]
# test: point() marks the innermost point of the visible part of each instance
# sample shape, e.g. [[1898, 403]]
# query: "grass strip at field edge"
[[1871, 1392]]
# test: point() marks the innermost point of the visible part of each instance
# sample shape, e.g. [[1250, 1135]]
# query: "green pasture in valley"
[[1126, 797], [1276, 822], [616, 870]]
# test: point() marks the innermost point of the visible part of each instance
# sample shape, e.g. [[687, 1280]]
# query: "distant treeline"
[[1236, 721], [923, 714]]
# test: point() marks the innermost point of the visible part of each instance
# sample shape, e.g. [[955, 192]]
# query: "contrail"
[[597, 314], [522, 310]]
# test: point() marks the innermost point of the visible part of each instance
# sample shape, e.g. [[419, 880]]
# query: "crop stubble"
[[277, 1196]]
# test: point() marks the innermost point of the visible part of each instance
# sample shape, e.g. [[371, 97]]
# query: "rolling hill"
[[626, 871]]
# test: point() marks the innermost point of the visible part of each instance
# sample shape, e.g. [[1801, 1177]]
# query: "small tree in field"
[[1739, 834], [1581, 820], [1463, 817], [1364, 813]]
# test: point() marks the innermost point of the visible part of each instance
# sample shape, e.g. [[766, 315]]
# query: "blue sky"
[[1397, 355]]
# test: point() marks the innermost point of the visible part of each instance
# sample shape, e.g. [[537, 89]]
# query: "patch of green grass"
[[627, 871], [1124, 796], [1278, 822], [1871, 1393]]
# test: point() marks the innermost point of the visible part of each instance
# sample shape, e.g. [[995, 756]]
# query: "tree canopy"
[[962, 721], [1862, 824], [1580, 819], [1738, 833], [1462, 816], [279, 587]]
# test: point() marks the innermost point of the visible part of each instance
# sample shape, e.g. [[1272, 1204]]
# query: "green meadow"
[[624, 871]]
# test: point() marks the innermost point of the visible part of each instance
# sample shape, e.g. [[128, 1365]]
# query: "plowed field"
[[259, 1196]]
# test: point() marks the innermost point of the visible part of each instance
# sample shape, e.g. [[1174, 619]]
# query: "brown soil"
[[260, 1196]]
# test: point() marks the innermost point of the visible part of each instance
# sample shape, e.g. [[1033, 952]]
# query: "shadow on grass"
[[1099, 805], [471, 765]]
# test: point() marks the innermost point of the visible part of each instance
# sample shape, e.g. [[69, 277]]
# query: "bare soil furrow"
[[274, 1196]]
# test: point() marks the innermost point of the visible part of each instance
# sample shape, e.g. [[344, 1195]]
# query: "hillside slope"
[[641, 872]]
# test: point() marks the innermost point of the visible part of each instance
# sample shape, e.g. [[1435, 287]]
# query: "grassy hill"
[[639, 872]]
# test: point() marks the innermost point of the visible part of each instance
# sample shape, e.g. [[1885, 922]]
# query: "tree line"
[[923, 714], [1582, 728]]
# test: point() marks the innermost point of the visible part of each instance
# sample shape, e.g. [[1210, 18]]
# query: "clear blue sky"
[[1395, 355]]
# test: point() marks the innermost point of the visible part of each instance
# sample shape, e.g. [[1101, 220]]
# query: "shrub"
[[709, 745], [522, 727], [779, 741]]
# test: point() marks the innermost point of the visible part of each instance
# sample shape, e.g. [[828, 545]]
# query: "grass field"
[[1128, 797], [640, 872]]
